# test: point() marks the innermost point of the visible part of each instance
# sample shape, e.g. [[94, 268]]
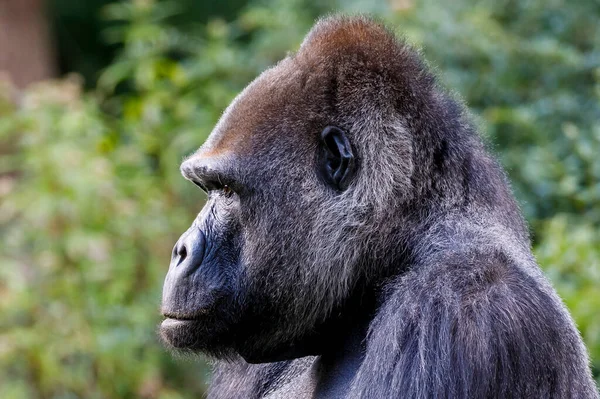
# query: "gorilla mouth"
[[195, 315]]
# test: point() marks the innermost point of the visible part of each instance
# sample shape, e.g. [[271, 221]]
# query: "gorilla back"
[[359, 242]]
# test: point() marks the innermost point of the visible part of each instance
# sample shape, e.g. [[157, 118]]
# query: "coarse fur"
[[416, 280]]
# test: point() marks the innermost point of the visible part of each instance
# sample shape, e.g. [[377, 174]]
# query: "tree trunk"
[[25, 45]]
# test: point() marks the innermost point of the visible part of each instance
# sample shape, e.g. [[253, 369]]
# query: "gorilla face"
[[198, 294], [256, 274]]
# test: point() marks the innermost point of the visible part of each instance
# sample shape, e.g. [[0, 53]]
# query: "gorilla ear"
[[337, 159]]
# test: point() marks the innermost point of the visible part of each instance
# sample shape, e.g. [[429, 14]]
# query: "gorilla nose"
[[182, 278], [188, 251]]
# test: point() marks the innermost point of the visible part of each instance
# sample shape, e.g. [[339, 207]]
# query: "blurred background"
[[100, 100]]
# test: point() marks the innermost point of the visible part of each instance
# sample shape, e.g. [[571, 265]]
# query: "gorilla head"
[[301, 172]]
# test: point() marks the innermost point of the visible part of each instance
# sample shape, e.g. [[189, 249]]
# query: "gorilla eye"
[[215, 186], [227, 191]]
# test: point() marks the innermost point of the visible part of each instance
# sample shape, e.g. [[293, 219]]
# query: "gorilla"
[[358, 241]]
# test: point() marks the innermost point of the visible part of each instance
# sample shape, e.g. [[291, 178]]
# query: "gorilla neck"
[[334, 370], [339, 355], [336, 338]]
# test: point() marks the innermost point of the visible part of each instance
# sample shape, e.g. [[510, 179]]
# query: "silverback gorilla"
[[359, 242]]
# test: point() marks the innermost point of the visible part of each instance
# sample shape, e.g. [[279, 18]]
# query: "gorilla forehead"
[[265, 111], [305, 91]]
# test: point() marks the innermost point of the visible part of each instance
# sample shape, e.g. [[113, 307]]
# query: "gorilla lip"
[[179, 318], [169, 322]]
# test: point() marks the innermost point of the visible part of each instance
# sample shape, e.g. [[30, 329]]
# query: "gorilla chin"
[[178, 334], [196, 335]]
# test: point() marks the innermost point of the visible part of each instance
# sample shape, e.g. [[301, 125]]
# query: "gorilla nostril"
[[182, 252]]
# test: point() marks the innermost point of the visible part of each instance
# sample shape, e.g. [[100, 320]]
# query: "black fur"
[[412, 278]]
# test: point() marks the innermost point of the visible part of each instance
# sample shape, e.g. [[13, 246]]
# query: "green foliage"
[[91, 200]]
